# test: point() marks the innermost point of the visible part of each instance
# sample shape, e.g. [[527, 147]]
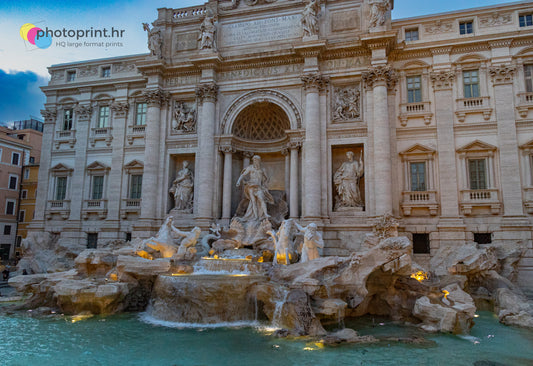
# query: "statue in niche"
[[187, 248], [155, 40], [378, 12], [312, 241], [309, 19], [255, 190], [208, 30], [283, 242], [346, 104], [184, 118], [183, 189], [346, 181]]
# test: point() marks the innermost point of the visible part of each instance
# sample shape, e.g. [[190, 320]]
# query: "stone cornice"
[[501, 43], [207, 92], [441, 50], [502, 74], [380, 74]]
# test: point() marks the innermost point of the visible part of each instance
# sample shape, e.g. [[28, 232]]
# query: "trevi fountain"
[[255, 287]]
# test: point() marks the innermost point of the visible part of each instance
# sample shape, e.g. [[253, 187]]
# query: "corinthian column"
[[205, 176], [155, 99], [312, 163], [226, 183], [49, 115], [381, 78], [502, 78]]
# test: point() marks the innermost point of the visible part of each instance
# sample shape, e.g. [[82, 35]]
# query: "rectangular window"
[[136, 186], [19, 241], [106, 72], [61, 188], [483, 238], [32, 160], [528, 72], [98, 187], [7, 230], [466, 27], [128, 236], [414, 89], [103, 117], [10, 207], [525, 20], [92, 240], [27, 173], [5, 249], [140, 116], [13, 180], [421, 244], [411, 35], [22, 215], [15, 158], [471, 83], [418, 176], [24, 194], [477, 172], [67, 119], [71, 75]]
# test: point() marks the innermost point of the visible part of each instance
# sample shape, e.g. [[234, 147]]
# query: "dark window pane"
[[421, 243]]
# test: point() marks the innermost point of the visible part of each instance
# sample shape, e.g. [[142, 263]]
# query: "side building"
[[435, 112]]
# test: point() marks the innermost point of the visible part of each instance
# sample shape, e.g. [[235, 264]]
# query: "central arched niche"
[[260, 128], [261, 121]]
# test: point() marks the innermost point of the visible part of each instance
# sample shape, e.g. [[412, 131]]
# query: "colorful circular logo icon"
[[35, 35]]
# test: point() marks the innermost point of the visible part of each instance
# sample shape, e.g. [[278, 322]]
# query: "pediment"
[[59, 168], [418, 149], [134, 165], [94, 166], [477, 146], [527, 146]]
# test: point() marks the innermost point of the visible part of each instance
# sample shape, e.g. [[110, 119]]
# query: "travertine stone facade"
[[440, 108]]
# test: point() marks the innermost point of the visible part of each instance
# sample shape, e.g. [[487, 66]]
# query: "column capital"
[[294, 145], [207, 92], [502, 74], [315, 81], [380, 74], [247, 154], [156, 97], [84, 111], [120, 109], [227, 149], [49, 115], [442, 80]]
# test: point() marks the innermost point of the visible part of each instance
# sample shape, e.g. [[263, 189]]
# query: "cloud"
[[21, 96]]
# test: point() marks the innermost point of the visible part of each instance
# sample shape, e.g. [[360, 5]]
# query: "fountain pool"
[[128, 340]]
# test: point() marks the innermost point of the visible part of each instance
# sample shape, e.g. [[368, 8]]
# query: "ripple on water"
[[128, 340]]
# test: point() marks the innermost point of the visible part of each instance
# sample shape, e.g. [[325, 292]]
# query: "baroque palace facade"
[[437, 112]]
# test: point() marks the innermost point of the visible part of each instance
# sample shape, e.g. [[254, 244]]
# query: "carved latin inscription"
[[261, 30]]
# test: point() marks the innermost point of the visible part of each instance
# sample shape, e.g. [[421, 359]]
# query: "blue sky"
[[23, 67]]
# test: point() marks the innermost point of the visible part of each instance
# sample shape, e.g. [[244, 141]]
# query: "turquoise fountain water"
[[127, 340]]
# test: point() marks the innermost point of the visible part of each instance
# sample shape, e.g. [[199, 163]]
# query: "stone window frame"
[[102, 71], [97, 168], [467, 21], [478, 149], [525, 14], [63, 119], [416, 154], [16, 182], [135, 167], [469, 63], [102, 100], [410, 30], [135, 131], [62, 105], [60, 170], [19, 159], [412, 69], [71, 75]]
